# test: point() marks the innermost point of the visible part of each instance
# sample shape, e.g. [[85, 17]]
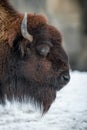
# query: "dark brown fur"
[[24, 72]]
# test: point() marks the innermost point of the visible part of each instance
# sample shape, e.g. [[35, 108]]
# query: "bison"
[[33, 63]]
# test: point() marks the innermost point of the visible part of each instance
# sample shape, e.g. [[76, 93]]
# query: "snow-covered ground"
[[68, 112]]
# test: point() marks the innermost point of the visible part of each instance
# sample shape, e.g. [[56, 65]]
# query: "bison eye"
[[43, 49]]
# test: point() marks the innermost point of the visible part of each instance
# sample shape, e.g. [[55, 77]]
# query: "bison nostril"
[[66, 78]]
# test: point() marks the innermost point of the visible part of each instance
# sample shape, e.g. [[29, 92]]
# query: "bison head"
[[36, 66]]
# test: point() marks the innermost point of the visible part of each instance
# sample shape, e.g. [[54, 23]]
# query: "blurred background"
[[70, 17]]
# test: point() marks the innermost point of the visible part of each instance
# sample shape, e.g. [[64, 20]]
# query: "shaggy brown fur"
[[24, 72]]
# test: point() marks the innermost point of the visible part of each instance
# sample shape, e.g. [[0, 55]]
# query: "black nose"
[[65, 78]]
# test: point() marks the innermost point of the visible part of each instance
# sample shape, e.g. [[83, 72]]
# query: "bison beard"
[[33, 63]]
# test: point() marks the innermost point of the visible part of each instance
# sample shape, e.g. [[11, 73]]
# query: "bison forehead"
[[35, 21], [37, 24]]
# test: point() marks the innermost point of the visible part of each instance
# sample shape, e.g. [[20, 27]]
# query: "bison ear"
[[15, 42], [11, 38]]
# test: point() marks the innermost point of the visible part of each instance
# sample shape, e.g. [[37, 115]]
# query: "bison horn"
[[24, 30]]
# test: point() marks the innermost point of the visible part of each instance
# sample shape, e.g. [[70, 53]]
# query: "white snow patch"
[[68, 112]]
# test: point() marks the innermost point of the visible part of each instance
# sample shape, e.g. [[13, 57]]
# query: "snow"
[[68, 112]]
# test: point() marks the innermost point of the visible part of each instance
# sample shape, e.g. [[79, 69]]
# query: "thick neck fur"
[[7, 15], [6, 8]]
